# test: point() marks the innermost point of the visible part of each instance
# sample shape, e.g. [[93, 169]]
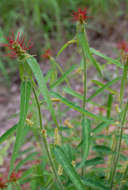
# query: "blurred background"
[[49, 24]]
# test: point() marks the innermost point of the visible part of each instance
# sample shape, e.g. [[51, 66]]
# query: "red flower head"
[[2, 183], [123, 46], [80, 15], [15, 176], [17, 46], [47, 54]]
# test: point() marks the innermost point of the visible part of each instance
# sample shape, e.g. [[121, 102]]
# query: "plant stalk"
[[119, 146], [46, 143], [85, 90]]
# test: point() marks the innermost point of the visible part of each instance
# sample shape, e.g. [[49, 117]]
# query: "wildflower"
[[57, 138], [29, 122], [123, 46], [15, 176], [47, 54], [73, 163], [80, 15], [2, 183], [60, 170], [17, 45], [68, 124]]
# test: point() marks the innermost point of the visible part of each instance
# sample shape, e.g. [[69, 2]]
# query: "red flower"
[[80, 15], [17, 46], [15, 176], [47, 54], [2, 183], [123, 46]]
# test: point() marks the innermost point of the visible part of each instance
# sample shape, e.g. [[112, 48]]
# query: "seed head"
[[17, 45], [80, 15], [15, 176], [123, 45], [47, 54], [2, 183]]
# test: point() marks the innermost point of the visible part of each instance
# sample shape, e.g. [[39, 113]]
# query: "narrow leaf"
[[86, 128], [79, 109], [69, 170], [8, 133], [42, 84], [110, 83], [84, 44], [110, 60], [25, 96]]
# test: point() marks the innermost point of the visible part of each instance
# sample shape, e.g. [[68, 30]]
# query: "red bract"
[[15, 176], [47, 54], [80, 15], [17, 46], [2, 183], [123, 46]]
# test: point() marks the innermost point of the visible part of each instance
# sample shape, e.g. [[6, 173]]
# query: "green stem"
[[123, 83], [118, 146], [123, 177], [46, 143], [85, 90]]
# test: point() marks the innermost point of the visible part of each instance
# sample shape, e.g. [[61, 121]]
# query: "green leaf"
[[65, 46], [100, 127], [79, 109], [73, 93], [80, 96], [110, 60], [102, 149], [8, 133], [30, 157], [123, 81], [84, 44], [94, 184], [108, 84], [25, 96], [109, 105], [68, 168], [94, 161], [42, 85], [100, 84], [63, 77], [86, 138]]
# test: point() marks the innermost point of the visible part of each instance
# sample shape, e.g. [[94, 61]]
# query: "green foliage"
[[72, 145]]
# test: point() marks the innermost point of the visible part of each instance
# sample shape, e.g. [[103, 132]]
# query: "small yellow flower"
[[60, 170], [117, 108], [29, 122], [73, 163], [57, 138], [68, 124]]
